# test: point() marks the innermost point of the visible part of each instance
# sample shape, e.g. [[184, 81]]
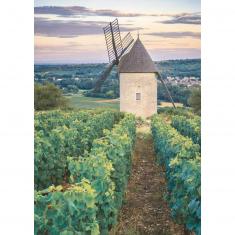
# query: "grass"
[[79, 101], [169, 104], [82, 102]]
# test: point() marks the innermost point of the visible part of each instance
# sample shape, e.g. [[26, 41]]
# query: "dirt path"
[[107, 101], [144, 210]]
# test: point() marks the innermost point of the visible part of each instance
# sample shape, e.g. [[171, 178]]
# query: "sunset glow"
[[71, 31]]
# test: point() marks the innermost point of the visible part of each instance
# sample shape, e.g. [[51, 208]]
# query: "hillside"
[[180, 68], [74, 77]]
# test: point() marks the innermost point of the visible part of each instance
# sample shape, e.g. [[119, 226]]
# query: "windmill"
[[118, 50]]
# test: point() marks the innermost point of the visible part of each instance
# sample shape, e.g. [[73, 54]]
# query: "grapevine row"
[[90, 204], [190, 127], [48, 120], [181, 159], [170, 111], [68, 137]]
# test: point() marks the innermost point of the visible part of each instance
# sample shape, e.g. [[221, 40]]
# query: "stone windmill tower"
[[138, 82], [137, 72]]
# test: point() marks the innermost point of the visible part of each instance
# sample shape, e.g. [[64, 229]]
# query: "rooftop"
[[137, 60]]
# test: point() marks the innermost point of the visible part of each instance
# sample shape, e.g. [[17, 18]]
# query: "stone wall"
[[143, 83]]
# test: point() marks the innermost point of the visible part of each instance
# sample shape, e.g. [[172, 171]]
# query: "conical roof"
[[137, 60]]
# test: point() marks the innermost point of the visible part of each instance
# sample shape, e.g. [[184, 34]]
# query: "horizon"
[[70, 32], [107, 62]]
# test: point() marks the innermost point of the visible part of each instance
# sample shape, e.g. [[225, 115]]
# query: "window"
[[138, 96]]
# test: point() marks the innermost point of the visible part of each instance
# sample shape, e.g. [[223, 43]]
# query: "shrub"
[[48, 97], [195, 100]]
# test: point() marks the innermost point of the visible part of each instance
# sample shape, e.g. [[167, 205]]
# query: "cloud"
[[57, 48], [175, 53], [69, 11], [74, 11], [69, 29], [176, 34], [65, 29], [61, 11], [184, 18]]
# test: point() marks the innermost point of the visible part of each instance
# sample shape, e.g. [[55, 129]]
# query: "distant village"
[[186, 81]]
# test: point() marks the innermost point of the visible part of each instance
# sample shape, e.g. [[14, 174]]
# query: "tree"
[[195, 100], [179, 93], [110, 94], [48, 96]]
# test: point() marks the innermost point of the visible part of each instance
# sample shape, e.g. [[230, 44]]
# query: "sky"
[[71, 31]]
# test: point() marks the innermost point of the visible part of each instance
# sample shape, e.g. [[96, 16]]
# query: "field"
[[169, 104], [104, 172], [81, 102]]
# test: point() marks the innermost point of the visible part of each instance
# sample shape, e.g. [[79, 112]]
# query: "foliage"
[[181, 158], [48, 120], [64, 135], [179, 68], [110, 90], [190, 127], [173, 68], [170, 111], [89, 205], [48, 97], [71, 78], [107, 167], [118, 145], [66, 210], [195, 100], [179, 93]]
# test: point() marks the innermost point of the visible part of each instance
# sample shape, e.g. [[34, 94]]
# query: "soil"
[[144, 210]]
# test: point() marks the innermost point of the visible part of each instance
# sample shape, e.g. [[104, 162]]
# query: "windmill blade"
[[116, 47], [167, 91], [103, 77], [126, 43], [113, 41]]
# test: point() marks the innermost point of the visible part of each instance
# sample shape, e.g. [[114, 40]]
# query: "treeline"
[[49, 96], [71, 78], [179, 68], [110, 89], [180, 94]]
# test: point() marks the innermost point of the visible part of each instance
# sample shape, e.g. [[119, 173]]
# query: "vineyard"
[[84, 167], [181, 159], [82, 164]]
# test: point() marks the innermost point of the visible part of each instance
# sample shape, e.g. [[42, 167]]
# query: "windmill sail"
[[113, 41], [103, 76], [116, 47]]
